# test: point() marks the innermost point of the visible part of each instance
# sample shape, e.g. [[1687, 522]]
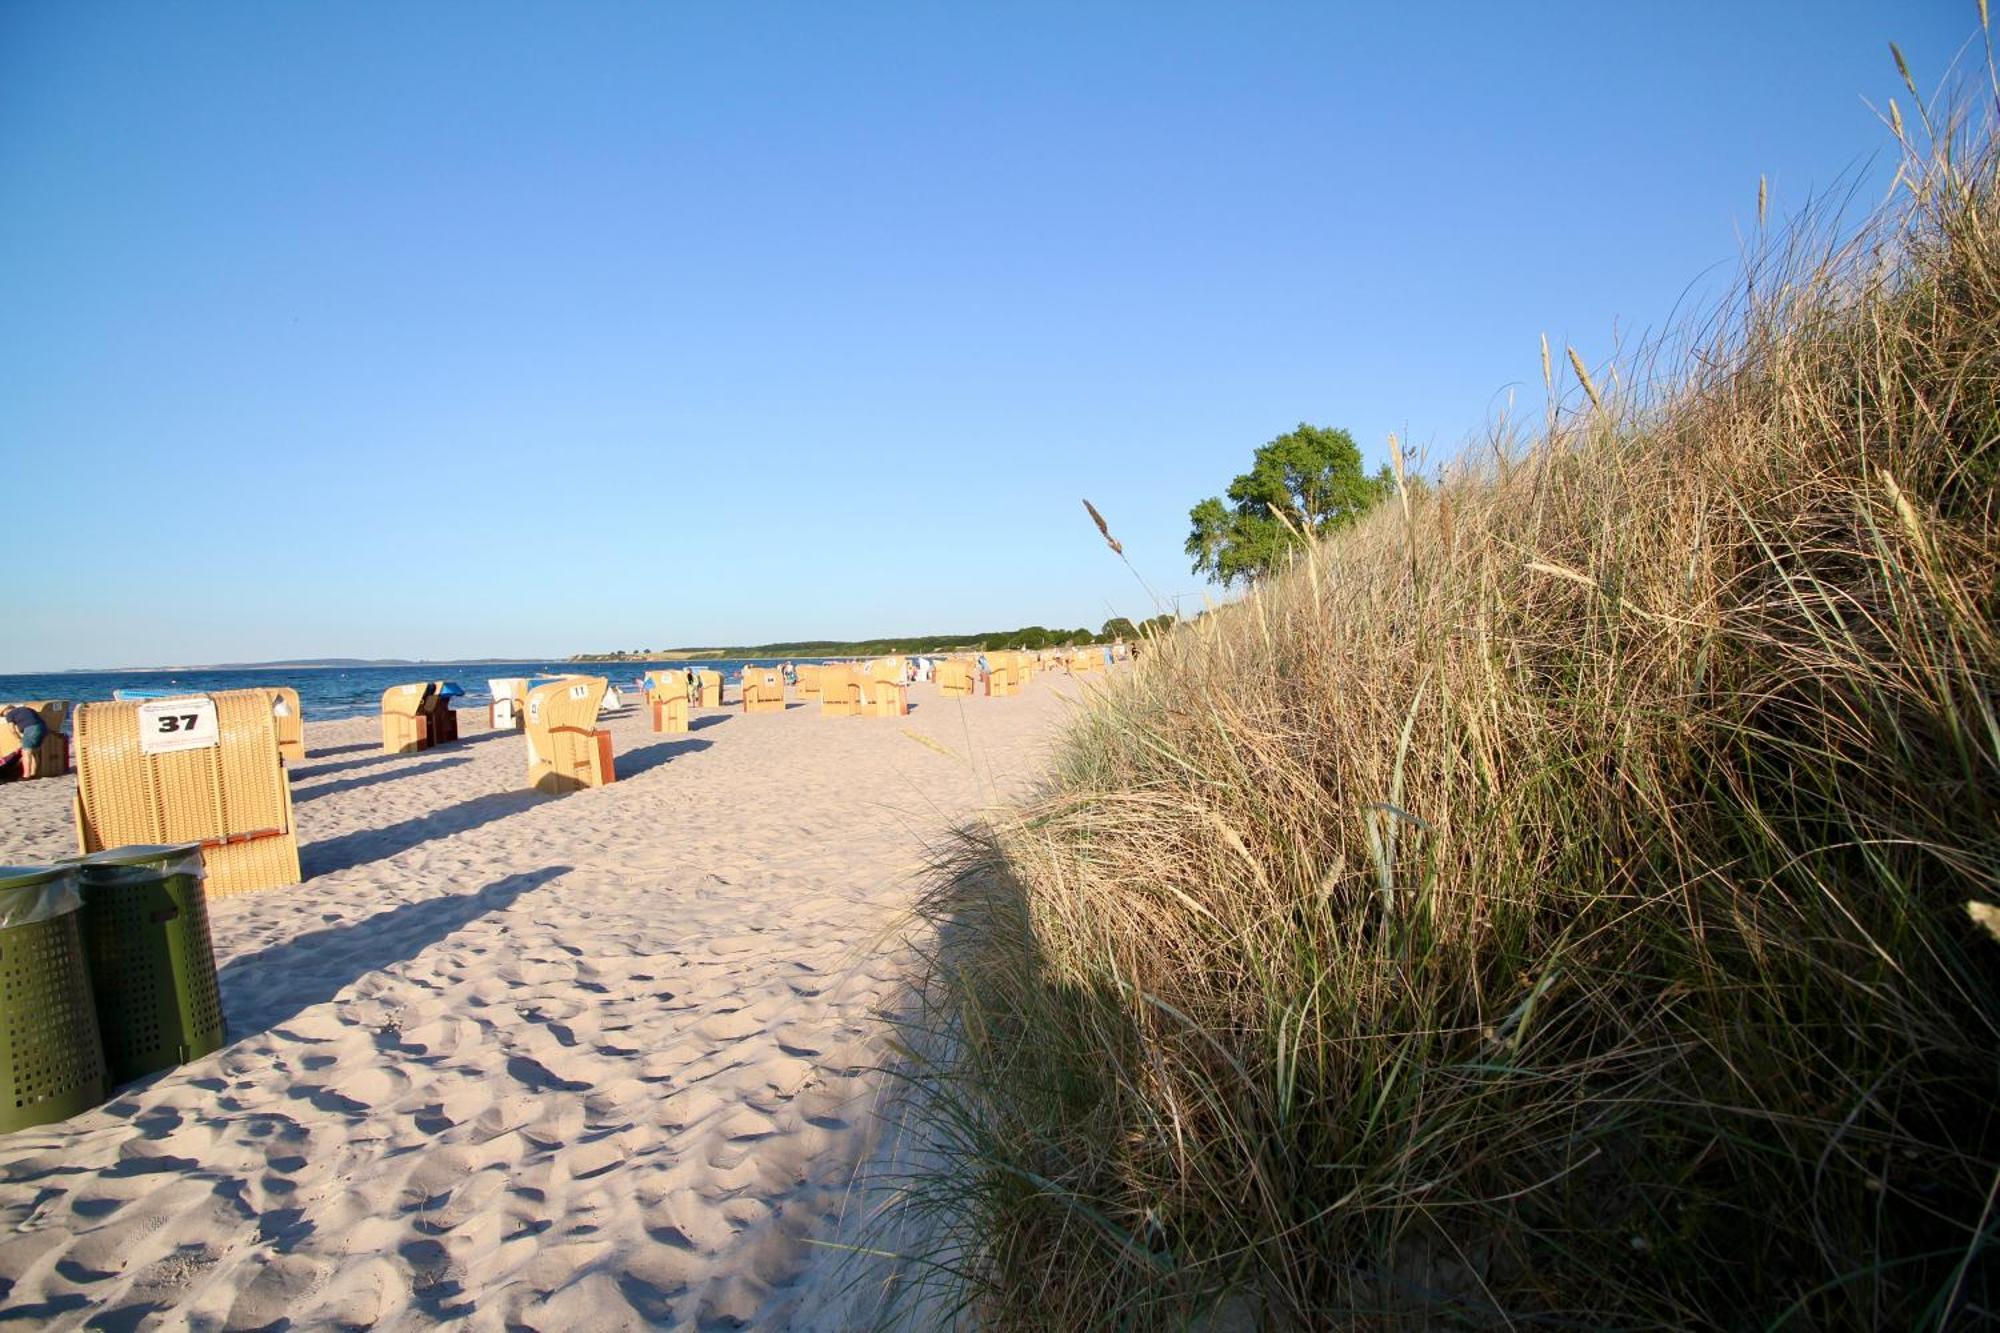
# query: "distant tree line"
[[1029, 637]]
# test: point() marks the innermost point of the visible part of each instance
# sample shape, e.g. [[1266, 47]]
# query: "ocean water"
[[327, 693]]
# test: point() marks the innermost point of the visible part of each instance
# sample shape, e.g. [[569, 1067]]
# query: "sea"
[[327, 693]]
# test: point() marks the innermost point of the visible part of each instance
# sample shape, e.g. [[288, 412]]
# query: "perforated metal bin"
[[152, 963], [51, 1060]]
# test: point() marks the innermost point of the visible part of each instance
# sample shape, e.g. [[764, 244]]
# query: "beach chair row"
[[210, 769]]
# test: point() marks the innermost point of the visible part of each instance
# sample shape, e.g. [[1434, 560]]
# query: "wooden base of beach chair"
[[591, 764], [404, 735], [245, 867]]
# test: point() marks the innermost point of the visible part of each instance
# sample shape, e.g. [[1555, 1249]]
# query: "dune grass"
[[1546, 903]]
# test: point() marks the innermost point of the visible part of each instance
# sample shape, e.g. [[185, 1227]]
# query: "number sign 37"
[[166, 725]]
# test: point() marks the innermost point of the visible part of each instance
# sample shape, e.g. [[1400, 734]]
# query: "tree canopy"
[[1303, 484]]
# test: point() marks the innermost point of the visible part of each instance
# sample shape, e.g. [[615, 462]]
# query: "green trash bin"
[[51, 1061], [152, 964]]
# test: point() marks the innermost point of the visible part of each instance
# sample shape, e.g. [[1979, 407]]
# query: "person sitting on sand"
[[27, 725]]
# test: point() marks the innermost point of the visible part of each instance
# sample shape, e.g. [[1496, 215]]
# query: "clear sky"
[[493, 329]]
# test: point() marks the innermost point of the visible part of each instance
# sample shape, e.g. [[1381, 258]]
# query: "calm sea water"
[[326, 693]]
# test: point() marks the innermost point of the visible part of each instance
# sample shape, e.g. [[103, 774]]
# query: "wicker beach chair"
[[290, 721], [198, 768], [52, 755], [1000, 682], [954, 679], [669, 712], [510, 696], [406, 726], [709, 685], [888, 698], [839, 692], [667, 700], [808, 682], [566, 751], [441, 719], [763, 690]]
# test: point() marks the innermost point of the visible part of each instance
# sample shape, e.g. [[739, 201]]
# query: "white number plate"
[[166, 725]]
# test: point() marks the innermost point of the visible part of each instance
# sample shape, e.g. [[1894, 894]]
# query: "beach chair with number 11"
[[566, 751]]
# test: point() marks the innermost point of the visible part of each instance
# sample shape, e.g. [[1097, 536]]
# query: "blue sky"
[[454, 330]]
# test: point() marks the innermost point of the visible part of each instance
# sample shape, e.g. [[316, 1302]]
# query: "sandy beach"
[[596, 1061]]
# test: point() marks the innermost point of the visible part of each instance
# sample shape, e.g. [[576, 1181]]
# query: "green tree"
[[1304, 484], [1118, 627]]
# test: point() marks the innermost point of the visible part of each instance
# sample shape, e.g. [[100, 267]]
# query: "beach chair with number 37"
[[198, 768]]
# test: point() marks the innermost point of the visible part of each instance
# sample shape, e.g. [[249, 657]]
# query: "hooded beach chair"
[[839, 692], [808, 681], [52, 754], [406, 722], [888, 698], [291, 723], [440, 718], [763, 690], [667, 700], [954, 679], [566, 751], [709, 683], [1000, 676], [510, 694], [192, 768]]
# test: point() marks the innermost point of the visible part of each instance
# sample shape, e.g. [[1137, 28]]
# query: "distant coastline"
[[1032, 637], [306, 664]]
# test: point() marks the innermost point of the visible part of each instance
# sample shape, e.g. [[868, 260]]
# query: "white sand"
[[563, 1063]]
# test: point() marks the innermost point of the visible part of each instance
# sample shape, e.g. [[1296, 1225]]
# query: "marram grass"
[[1556, 901]]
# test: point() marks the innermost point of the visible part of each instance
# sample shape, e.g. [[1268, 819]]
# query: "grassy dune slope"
[[1548, 901]]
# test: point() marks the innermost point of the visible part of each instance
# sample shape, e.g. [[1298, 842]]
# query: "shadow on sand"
[[652, 756], [356, 748], [313, 770], [370, 779], [263, 989], [377, 844]]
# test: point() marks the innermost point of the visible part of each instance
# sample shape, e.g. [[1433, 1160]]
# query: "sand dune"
[[589, 1062]]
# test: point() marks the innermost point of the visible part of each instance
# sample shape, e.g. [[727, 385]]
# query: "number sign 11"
[[166, 725]]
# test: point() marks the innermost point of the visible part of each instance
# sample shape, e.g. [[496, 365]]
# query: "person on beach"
[[29, 728], [693, 690]]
